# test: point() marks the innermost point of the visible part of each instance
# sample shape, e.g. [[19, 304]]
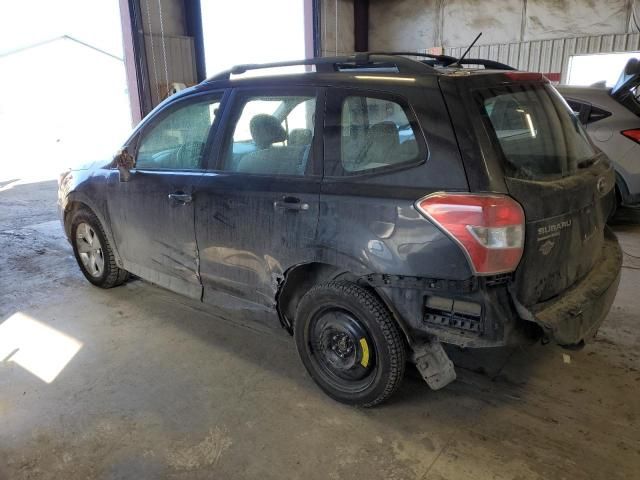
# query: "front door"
[[152, 215], [257, 209]]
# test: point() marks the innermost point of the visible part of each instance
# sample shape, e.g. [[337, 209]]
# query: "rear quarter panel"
[[368, 223]]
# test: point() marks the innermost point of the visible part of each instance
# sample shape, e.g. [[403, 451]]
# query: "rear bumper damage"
[[433, 311], [575, 316]]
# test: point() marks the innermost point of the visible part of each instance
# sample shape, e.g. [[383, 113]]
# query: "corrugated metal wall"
[[180, 63], [551, 56], [336, 27]]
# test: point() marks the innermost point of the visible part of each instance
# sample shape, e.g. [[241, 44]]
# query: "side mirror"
[[125, 162]]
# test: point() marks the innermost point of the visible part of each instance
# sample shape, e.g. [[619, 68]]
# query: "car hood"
[[91, 164]]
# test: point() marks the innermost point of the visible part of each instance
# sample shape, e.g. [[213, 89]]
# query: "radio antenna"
[[457, 62]]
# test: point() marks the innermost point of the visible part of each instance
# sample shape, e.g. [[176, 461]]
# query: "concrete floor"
[[155, 387]]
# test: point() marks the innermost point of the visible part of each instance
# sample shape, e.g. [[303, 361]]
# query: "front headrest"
[[266, 130]]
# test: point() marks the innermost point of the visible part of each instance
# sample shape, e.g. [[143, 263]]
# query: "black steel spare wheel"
[[349, 343], [342, 349]]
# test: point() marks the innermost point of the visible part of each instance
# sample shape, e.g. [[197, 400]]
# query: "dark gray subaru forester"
[[375, 208]]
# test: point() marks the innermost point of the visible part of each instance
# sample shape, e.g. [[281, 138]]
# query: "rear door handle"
[[181, 197], [290, 203]]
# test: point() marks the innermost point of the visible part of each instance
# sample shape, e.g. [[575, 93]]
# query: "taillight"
[[633, 134], [490, 228]]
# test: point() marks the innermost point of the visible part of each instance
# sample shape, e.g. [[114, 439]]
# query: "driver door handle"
[[181, 197], [290, 203]]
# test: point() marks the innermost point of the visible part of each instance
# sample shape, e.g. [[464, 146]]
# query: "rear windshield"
[[537, 133]]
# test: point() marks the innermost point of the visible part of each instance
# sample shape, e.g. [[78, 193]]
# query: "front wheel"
[[349, 343], [93, 252]]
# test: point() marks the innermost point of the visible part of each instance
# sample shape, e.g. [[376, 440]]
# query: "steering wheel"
[[188, 154]]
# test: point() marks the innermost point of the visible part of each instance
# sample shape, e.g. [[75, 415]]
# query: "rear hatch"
[[627, 89], [528, 135]]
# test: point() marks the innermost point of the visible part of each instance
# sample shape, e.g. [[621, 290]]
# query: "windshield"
[[535, 129]]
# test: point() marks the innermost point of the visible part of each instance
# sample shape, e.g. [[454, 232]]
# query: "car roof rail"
[[441, 58], [447, 60], [491, 64], [365, 61]]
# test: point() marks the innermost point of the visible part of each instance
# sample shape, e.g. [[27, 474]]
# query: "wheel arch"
[[300, 278], [77, 202]]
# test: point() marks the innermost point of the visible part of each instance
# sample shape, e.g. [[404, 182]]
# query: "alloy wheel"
[[90, 249]]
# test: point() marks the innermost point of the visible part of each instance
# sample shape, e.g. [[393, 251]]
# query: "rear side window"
[[596, 114], [539, 137], [580, 109], [586, 112], [375, 133]]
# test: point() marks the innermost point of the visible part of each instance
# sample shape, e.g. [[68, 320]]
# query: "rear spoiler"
[[629, 78]]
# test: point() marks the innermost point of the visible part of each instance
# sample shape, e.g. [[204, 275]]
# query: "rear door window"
[[538, 135], [272, 135]]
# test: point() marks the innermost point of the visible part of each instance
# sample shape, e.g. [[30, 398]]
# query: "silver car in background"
[[612, 119]]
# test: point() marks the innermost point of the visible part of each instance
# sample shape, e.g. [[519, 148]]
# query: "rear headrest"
[[266, 130], [384, 133], [300, 136]]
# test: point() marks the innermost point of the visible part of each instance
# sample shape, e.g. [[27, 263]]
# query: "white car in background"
[[612, 119]]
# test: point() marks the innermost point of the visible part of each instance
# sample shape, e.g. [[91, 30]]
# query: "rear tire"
[[349, 343], [93, 253]]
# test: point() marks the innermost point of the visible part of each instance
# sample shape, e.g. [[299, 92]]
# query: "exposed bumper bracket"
[[434, 364]]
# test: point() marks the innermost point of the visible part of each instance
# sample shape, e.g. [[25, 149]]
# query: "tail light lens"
[[490, 228], [633, 134]]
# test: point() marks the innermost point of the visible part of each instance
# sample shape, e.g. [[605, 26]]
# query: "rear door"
[[257, 207], [529, 137]]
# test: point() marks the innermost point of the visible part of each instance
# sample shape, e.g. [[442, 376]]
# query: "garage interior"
[[137, 382]]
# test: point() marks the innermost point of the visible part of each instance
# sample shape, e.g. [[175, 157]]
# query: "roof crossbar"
[[332, 64]]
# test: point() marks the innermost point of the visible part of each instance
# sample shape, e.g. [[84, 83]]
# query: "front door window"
[[177, 141]]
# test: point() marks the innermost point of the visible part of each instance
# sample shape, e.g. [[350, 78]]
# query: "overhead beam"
[[361, 25], [313, 45], [193, 19], [135, 60]]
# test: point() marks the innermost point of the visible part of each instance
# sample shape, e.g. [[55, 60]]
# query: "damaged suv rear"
[[375, 208]]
